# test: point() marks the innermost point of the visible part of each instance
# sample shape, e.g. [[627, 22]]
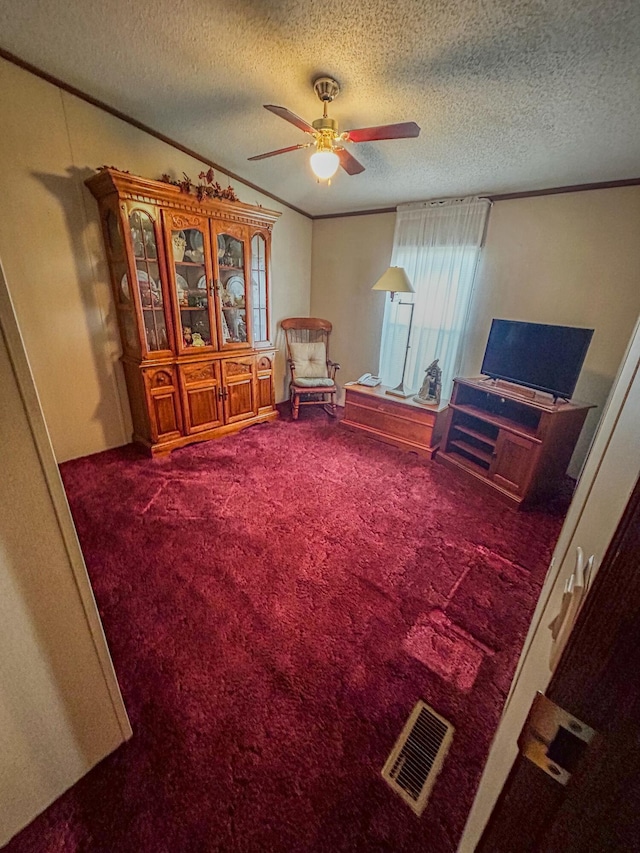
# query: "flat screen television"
[[546, 358]]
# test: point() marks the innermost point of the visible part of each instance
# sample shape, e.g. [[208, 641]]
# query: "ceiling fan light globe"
[[324, 164]]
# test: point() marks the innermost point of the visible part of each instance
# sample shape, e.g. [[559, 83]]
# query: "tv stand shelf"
[[515, 441], [498, 421]]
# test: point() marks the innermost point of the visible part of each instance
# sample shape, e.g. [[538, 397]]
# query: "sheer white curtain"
[[438, 244]]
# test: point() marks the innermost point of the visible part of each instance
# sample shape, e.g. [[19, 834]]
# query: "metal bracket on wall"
[[553, 739]]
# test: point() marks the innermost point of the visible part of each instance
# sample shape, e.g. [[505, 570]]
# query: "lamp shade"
[[324, 164], [394, 280]]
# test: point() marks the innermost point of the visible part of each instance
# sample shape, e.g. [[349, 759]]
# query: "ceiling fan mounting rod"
[[327, 89]]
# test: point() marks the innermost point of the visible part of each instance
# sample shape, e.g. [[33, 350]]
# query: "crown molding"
[[101, 105], [574, 188], [78, 93]]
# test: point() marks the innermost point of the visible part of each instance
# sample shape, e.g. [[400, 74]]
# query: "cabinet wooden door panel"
[[201, 396], [239, 401], [165, 412], [238, 389], [162, 402], [265, 391], [202, 408], [512, 462]]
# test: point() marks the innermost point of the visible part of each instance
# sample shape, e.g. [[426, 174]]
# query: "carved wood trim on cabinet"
[[181, 220]]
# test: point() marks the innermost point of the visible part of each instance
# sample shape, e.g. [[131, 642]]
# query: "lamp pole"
[[399, 390], [395, 280]]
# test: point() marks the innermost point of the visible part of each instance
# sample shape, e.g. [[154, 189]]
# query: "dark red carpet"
[[275, 603]]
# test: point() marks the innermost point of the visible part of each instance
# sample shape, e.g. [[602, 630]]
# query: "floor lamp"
[[395, 280]]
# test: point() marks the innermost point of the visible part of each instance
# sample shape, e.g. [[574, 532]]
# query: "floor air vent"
[[418, 755]]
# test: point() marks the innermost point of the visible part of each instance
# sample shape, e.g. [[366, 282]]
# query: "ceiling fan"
[[330, 152]]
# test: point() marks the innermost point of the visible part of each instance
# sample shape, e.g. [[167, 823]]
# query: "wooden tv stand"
[[515, 441]]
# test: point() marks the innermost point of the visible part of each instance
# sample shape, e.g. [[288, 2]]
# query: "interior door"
[[60, 704], [597, 682], [603, 491]]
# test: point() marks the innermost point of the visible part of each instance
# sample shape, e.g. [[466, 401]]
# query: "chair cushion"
[[309, 359], [313, 382]]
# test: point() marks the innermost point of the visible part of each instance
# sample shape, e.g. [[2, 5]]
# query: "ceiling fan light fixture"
[[330, 153], [324, 164]]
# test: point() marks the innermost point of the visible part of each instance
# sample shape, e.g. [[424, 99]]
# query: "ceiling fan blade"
[[287, 115], [404, 130], [348, 162], [280, 151]]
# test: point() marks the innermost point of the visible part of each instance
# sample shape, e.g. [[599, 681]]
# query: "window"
[[438, 244]]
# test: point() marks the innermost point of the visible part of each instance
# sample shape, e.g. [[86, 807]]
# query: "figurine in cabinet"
[[149, 295], [179, 243], [187, 336], [136, 239], [197, 339]]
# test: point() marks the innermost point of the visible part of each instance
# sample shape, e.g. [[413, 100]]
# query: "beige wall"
[[570, 259], [60, 707], [349, 255], [51, 248]]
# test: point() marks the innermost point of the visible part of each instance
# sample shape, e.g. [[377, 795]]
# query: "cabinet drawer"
[[379, 418], [237, 368], [195, 373]]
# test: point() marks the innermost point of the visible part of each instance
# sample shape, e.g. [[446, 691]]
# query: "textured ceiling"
[[511, 95]]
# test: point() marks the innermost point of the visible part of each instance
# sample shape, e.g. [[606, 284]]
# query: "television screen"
[[547, 358]]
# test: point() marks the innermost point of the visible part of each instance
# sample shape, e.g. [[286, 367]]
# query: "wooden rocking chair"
[[312, 373]]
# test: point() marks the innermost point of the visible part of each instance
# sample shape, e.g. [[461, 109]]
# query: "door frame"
[[605, 486], [10, 330], [594, 682]]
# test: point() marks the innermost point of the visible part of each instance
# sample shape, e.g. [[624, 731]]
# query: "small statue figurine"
[[197, 340], [179, 242], [187, 336], [429, 393]]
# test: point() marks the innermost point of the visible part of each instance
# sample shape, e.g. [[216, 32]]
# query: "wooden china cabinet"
[[190, 281]]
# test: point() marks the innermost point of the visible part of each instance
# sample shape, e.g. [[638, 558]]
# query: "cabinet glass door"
[[148, 284], [118, 264], [232, 290], [191, 277], [259, 305]]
